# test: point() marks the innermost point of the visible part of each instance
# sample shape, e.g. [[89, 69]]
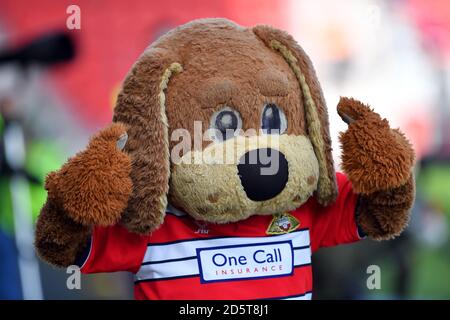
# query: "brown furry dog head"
[[213, 74]]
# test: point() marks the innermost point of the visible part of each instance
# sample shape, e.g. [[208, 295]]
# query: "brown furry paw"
[[58, 238], [93, 187], [384, 215], [374, 156]]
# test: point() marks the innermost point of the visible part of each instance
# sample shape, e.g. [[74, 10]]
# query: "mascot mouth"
[[263, 173]]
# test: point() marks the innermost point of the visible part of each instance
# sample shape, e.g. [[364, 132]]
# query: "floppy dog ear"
[[141, 106], [314, 104]]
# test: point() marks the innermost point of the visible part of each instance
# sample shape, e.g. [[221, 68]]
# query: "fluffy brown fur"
[[140, 106], [374, 156], [92, 188], [378, 161], [213, 76], [59, 239], [327, 189], [210, 64], [384, 214]]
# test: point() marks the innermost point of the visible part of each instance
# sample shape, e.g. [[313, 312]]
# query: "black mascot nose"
[[263, 173]]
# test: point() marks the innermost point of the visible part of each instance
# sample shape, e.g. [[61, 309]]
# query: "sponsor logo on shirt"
[[246, 261]]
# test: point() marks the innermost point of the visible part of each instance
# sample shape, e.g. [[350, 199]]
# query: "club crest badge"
[[282, 223]]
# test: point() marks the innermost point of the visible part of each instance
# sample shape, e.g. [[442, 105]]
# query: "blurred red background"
[[113, 34]]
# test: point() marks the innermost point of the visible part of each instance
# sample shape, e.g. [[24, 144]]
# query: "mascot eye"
[[225, 123], [273, 120]]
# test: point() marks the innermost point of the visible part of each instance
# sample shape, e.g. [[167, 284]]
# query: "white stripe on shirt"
[[173, 260]]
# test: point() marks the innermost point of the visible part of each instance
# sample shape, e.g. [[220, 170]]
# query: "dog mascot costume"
[[137, 199]]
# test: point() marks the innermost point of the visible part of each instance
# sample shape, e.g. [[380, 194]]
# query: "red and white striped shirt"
[[262, 257]]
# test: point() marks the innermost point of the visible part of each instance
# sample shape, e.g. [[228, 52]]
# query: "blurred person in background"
[[26, 156]]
